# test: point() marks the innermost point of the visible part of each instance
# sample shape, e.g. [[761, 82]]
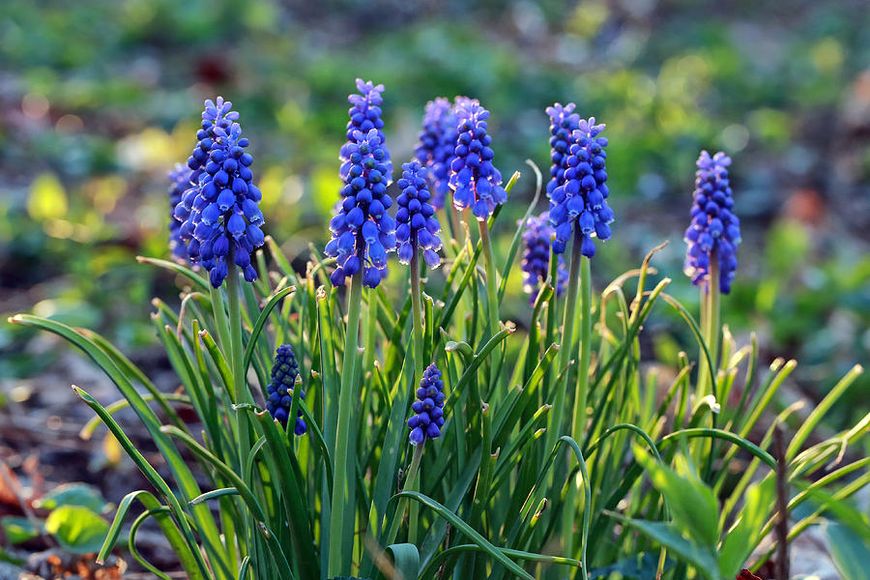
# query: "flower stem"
[[710, 328], [419, 365], [417, 312], [342, 511], [237, 357], [557, 417], [491, 278], [578, 423], [412, 483], [579, 420], [237, 349]]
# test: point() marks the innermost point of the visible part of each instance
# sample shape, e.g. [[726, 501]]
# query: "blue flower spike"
[[475, 181], [714, 233], [362, 230], [418, 229], [563, 122], [428, 418], [179, 182], [436, 146], [282, 388], [364, 115], [220, 212], [578, 199], [537, 240]]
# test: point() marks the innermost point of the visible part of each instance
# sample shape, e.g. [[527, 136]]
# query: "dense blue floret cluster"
[[537, 239], [220, 212], [563, 122], [282, 388], [418, 229], [365, 115], [476, 183], [581, 200], [179, 182], [362, 230], [715, 231], [435, 149], [428, 408]]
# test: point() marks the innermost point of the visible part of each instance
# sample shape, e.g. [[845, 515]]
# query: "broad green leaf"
[[637, 567], [406, 560], [692, 503], [77, 529], [80, 494], [744, 536], [18, 530], [668, 536], [850, 553]]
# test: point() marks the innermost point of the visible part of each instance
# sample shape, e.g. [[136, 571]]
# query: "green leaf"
[[18, 530], [692, 503], [636, 567], [746, 533], [77, 529], [406, 560], [262, 319], [849, 552], [468, 531], [198, 281], [668, 536], [47, 199], [80, 494]]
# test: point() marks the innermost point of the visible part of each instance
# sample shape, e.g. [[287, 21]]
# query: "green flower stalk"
[[579, 210], [363, 233], [476, 184], [711, 256]]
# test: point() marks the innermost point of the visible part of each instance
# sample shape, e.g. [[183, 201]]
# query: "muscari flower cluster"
[[475, 181], [282, 388], [715, 231], [220, 212], [365, 115], [563, 122], [580, 199], [428, 408], [436, 146], [418, 228], [179, 182], [362, 230], [537, 238]]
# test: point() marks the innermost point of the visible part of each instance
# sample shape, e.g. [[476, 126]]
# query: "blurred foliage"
[[101, 97]]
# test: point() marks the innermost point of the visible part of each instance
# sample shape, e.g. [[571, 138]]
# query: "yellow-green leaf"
[[47, 199], [77, 529]]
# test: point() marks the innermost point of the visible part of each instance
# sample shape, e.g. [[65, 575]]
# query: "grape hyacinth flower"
[[563, 122], [581, 200], [362, 231], [435, 149], [365, 115], [179, 182], [715, 231], [476, 183], [418, 228], [220, 214], [537, 239], [282, 388], [428, 408]]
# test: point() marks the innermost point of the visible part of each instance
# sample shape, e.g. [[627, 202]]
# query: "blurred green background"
[[98, 98]]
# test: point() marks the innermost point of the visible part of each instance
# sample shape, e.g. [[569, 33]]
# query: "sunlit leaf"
[[77, 528]]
